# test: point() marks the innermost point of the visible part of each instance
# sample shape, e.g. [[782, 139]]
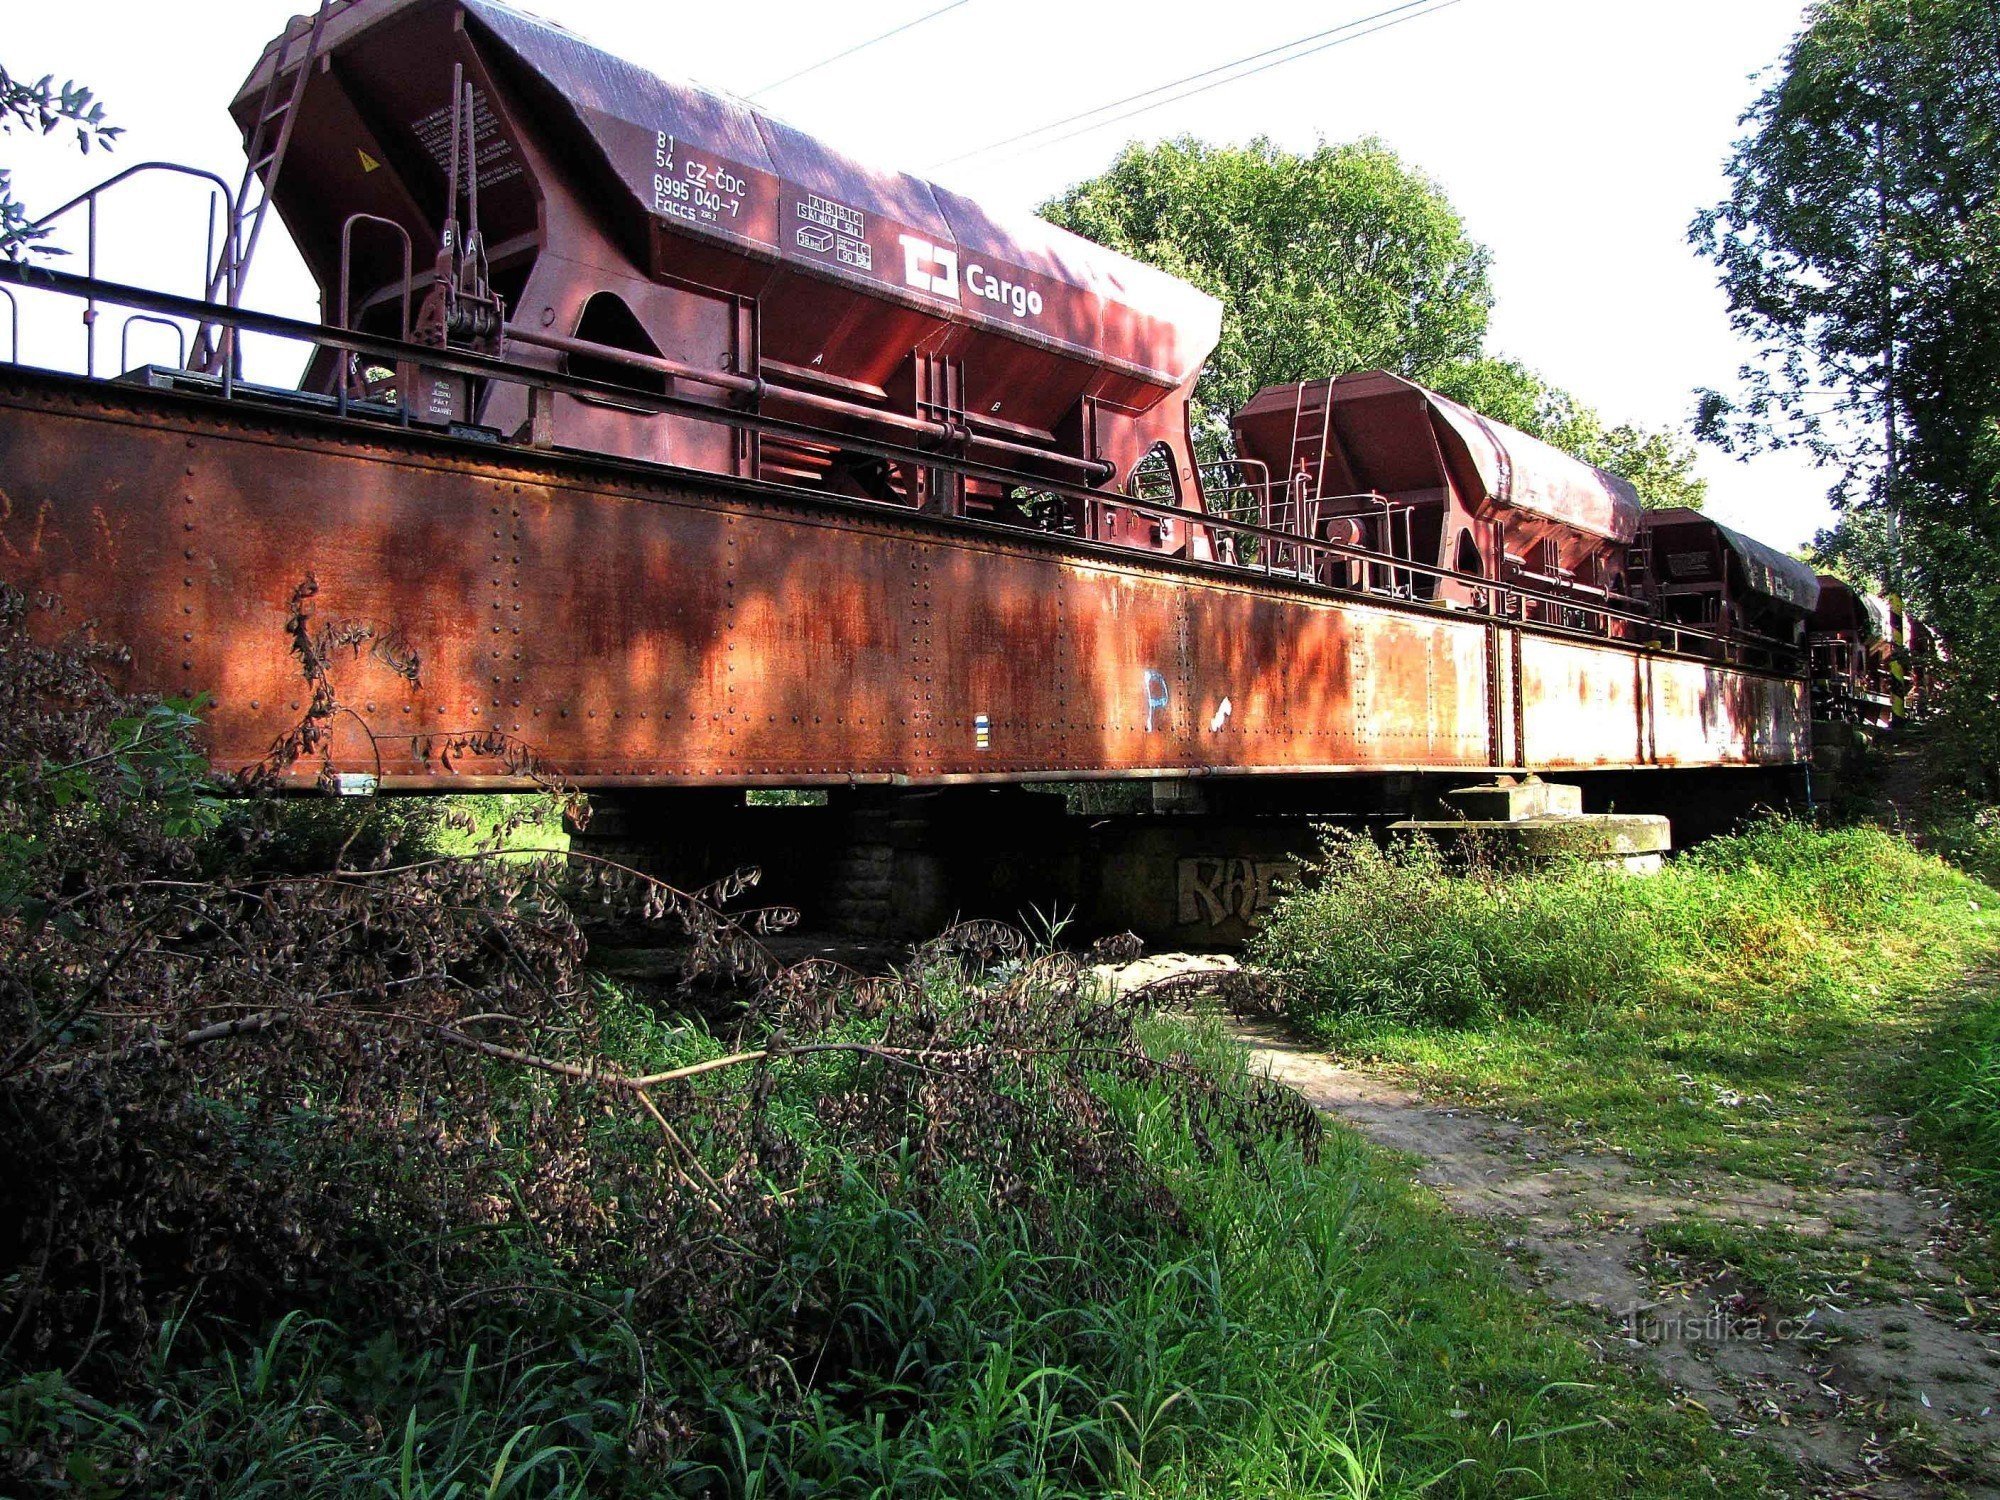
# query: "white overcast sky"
[[1577, 138]]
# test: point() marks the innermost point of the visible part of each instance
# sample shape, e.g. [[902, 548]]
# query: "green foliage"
[[1749, 1010], [1303, 1324], [152, 758], [1866, 157], [1394, 934], [1860, 249], [41, 107], [1958, 1094], [1342, 258]]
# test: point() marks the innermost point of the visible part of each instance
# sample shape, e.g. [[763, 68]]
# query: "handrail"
[[88, 199], [347, 229], [125, 338], [134, 170], [1507, 601]]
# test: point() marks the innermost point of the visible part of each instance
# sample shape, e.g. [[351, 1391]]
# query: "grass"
[[1795, 1269], [1773, 1008], [1747, 1011], [1303, 1322], [1311, 1325]]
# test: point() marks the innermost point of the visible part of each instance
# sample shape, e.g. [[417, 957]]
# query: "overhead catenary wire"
[[1174, 84], [827, 62], [1288, 52]]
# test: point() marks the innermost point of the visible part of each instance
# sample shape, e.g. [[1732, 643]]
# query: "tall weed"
[[1407, 935]]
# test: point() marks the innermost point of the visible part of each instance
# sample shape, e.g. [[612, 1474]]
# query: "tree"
[[1660, 463], [1343, 258], [1854, 203], [41, 107], [1860, 248]]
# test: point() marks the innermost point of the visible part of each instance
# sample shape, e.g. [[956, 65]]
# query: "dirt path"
[[1889, 1397]]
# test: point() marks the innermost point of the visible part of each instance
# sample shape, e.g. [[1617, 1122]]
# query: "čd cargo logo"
[[930, 268]]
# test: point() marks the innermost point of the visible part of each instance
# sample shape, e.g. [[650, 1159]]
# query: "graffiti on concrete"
[[1218, 889]]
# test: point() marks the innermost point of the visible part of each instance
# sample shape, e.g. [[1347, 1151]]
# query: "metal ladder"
[[216, 348], [1312, 430], [1305, 472]]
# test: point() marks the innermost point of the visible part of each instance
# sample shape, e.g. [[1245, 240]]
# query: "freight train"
[[643, 429]]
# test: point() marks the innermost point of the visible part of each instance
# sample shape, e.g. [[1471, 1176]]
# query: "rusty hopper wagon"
[[643, 431], [653, 234], [1871, 661]]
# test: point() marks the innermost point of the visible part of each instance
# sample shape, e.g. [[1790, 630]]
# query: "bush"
[[1404, 935], [1398, 933]]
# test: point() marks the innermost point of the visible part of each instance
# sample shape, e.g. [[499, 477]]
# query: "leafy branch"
[[42, 108]]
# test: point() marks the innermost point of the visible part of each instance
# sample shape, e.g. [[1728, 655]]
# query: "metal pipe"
[[562, 343], [745, 385], [90, 306], [471, 169], [451, 184], [228, 193]]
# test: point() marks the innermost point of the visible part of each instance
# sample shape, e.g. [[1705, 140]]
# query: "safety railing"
[[1284, 557], [221, 194], [125, 338]]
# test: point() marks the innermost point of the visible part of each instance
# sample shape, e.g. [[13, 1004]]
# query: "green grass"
[[1955, 1092], [469, 823], [1311, 1326], [1746, 1011], [1795, 1269]]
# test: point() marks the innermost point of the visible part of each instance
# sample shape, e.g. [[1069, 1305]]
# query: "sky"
[[1576, 137]]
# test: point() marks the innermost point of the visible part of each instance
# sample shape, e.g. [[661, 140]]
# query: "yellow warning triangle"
[[368, 163]]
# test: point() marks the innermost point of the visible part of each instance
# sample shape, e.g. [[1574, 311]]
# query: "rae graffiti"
[[1216, 889]]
